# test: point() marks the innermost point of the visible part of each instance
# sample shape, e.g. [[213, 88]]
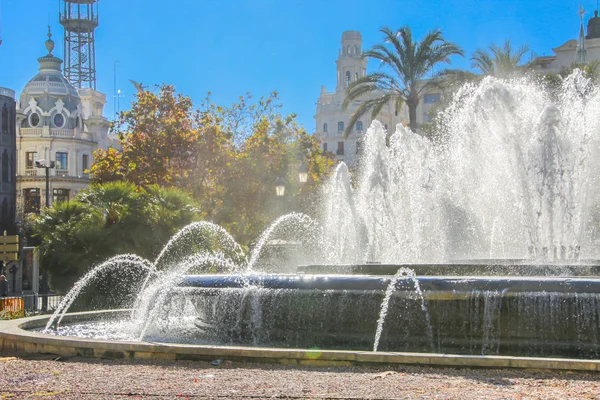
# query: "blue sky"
[[230, 47]]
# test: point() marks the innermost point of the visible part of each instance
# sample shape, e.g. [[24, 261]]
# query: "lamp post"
[[47, 167]]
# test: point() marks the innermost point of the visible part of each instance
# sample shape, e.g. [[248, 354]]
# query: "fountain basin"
[[16, 337], [512, 268], [530, 316]]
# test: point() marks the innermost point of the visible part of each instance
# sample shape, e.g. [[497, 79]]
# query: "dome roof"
[[49, 93], [50, 80]]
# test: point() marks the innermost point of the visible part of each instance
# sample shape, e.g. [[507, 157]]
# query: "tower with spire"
[[581, 57]]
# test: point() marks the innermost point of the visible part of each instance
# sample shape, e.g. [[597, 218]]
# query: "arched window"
[[347, 78], [356, 76], [348, 50], [359, 126], [340, 126], [5, 120], [5, 211], [5, 167], [325, 127], [12, 118], [355, 49]]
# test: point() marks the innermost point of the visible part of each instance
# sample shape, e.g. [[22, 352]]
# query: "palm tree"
[[406, 63], [500, 61]]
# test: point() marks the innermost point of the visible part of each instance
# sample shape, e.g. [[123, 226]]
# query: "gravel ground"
[[78, 378]]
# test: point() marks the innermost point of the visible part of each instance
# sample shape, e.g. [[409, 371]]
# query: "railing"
[[61, 172], [31, 132], [31, 172], [30, 302], [61, 132]]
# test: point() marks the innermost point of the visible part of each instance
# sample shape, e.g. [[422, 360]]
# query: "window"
[[385, 127], [30, 159], [59, 120], [61, 160], [340, 149], [347, 78], [5, 120], [325, 127], [85, 164], [340, 126], [31, 198], [34, 119], [356, 76], [5, 170], [60, 195], [355, 49], [324, 147], [431, 98], [359, 126]]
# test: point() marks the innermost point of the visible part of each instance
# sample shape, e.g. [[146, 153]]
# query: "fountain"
[[481, 241]]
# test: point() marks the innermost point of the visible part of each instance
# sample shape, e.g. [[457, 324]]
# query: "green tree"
[[105, 220], [226, 157], [157, 136], [405, 65], [502, 62]]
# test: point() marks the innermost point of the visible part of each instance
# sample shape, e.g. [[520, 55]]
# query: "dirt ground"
[[78, 378]]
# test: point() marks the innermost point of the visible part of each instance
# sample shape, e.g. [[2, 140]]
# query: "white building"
[[60, 126], [587, 46], [331, 118]]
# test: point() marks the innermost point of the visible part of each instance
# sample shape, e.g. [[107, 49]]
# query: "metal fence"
[[34, 303]]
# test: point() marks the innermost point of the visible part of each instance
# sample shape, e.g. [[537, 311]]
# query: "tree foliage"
[[226, 157], [502, 62], [105, 220], [402, 79]]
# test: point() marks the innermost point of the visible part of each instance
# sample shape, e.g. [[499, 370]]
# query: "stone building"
[[331, 118], [585, 49], [8, 149], [59, 127]]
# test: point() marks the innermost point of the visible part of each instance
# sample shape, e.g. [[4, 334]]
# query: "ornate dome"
[[49, 99]]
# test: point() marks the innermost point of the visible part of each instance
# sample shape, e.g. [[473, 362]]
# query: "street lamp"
[[303, 173], [46, 166], [279, 186]]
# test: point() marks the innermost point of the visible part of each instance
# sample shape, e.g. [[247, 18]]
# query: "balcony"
[[31, 172], [31, 132], [61, 173], [61, 132], [56, 133]]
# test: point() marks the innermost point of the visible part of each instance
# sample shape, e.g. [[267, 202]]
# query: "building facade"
[[585, 49], [58, 129], [331, 118], [8, 157]]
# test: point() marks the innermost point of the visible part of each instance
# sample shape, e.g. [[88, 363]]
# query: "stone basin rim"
[[15, 338]]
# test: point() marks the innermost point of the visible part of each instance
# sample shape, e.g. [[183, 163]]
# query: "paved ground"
[[77, 378]]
